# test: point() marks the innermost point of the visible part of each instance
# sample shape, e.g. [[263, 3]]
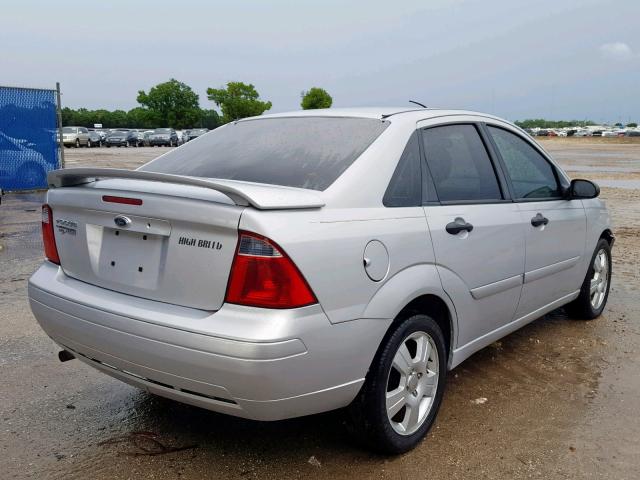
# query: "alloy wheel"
[[412, 383], [600, 279]]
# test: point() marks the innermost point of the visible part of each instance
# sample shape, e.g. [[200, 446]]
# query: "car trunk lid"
[[166, 239]]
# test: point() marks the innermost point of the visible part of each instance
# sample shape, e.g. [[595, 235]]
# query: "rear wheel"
[[400, 398], [77, 143], [595, 287]]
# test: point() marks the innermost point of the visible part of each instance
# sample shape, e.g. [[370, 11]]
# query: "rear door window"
[[460, 165], [304, 152], [532, 176]]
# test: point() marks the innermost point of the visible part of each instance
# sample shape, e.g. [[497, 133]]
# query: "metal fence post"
[[59, 111]]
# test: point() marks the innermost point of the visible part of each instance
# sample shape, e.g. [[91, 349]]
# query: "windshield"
[[68, 130], [304, 152], [162, 130]]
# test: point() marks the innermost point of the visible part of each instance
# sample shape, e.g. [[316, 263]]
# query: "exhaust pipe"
[[65, 355]]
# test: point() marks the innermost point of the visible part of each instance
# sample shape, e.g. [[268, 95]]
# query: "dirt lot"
[[562, 396]]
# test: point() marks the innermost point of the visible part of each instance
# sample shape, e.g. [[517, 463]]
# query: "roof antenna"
[[417, 103]]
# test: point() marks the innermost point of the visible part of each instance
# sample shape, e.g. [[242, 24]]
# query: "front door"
[[555, 227]]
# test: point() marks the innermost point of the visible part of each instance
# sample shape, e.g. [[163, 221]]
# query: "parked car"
[[163, 137], [121, 138], [596, 133], [21, 165], [195, 133], [138, 138], [609, 133], [632, 133], [95, 139], [240, 275], [583, 133], [75, 137], [543, 133]]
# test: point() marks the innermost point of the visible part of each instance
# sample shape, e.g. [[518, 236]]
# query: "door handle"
[[539, 219], [457, 226]]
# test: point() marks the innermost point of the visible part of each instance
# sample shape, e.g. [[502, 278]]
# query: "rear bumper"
[[248, 362]]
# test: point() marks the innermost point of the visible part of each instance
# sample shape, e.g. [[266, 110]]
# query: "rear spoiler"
[[260, 196]]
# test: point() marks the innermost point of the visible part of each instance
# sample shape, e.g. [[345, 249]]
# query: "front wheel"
[[595, 287], [400, 398]]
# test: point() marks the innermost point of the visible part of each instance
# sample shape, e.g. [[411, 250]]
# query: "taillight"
[[262, 275], [50, 249]]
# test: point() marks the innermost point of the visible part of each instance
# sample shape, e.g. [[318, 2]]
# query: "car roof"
[[406, 113]]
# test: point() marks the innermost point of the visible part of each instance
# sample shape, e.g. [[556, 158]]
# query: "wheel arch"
[[607, 234], [436, 308], [416, 289]]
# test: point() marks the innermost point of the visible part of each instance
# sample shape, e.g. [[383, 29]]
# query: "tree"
[[140, 118], [542, 123], [171, 104], [632, 125], [238, 100], [316, 98], [210, 119]]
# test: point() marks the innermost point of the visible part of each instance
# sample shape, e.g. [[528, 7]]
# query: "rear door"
[[555, 227], [83, 135], [476, 231]]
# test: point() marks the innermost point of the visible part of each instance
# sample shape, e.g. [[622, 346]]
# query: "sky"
[[557, 59]]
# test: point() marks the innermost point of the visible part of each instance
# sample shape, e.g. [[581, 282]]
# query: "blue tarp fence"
[[28, 137]]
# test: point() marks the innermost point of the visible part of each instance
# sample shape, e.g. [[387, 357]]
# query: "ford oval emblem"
[[122, 221]]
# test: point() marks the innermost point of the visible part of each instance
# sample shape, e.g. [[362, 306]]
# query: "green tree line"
[[175, 104], [542, 123]]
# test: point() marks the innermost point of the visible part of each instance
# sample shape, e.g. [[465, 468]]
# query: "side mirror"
[[582, 189]]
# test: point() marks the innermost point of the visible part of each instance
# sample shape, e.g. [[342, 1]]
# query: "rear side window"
[[405, 187], [304, 152], [459, 164], [531, 174]]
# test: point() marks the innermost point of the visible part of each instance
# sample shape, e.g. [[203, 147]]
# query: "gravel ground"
[[562, 396]]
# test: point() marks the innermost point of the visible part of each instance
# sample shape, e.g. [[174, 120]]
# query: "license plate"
[[130, 258]]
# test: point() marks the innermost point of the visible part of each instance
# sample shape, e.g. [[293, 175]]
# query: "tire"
[[369, 419], [89, 144], [77, 143], [590, 305]]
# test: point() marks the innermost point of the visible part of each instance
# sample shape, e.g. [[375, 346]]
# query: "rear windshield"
[[304, 152], [162, 130], [68, 130]]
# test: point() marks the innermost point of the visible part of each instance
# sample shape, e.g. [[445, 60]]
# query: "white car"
[[296, 263], [75, 137]]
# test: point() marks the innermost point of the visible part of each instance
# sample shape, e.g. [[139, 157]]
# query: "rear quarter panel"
[[328, 247]]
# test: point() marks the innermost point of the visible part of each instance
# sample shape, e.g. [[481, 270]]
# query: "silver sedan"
[[297, 263]]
